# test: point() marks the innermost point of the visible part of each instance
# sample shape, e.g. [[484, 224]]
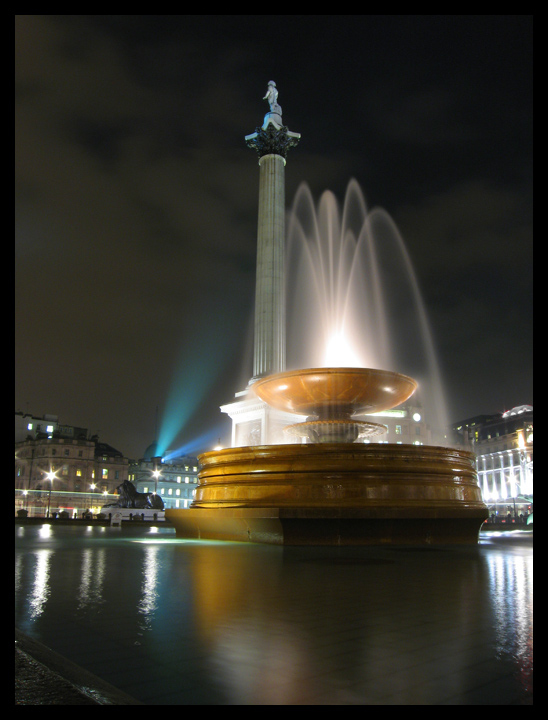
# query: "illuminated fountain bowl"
[[335, 492], [332, 397], [334, 392]]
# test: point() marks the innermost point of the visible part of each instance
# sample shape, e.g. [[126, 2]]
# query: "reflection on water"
[[174, 622], [149, 588], [40, 589], [90, 591], [511, 594]]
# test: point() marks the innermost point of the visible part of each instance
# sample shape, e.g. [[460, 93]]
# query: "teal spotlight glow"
[[196, 445], [200, 365]]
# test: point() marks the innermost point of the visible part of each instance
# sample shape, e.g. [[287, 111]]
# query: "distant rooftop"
[[519, 410]]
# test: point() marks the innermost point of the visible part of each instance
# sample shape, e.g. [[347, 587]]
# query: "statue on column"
[[272, 97], [273, 137]]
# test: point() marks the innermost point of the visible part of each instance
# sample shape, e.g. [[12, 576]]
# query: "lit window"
[[178, 491], [29, 426], [398, 429], [78, 472], [170, 491], [187, 479], [104, 473], [178, 478], [49, 428]]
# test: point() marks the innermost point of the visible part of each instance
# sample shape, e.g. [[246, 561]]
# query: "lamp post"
[[51, 476], [156, 472]]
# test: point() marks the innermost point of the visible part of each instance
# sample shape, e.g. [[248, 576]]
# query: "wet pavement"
[[44, 678], [155, 620]]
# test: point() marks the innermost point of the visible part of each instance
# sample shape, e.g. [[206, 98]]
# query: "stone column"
[[269, 348], [253, 421], [271, 141]]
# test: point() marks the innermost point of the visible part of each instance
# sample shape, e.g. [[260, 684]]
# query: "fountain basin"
[[335, 494], [330, 393]]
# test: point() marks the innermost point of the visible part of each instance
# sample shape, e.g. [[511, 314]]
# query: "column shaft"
[[269, 354]]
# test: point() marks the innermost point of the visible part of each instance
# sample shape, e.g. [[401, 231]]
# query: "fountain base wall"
[[335, 494], [311, 526]]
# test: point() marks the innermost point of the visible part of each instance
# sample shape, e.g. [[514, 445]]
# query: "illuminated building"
[[503, 445], [58, 469], [173, 478]]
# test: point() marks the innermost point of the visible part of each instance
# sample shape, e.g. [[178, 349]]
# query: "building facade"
[[174, 479], [59, 470], [503, 445]]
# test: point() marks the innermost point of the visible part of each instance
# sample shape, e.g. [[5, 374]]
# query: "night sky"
[[136, 199]]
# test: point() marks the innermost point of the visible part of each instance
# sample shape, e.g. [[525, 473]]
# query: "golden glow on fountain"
[[331, 398], [332, 392], [332, 490]]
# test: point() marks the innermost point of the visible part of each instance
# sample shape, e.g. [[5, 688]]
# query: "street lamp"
[[51, 476], [156, 473]]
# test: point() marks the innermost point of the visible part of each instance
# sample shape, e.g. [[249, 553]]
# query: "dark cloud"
[[136, 198]]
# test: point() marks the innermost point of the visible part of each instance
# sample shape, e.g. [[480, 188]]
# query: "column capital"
[[272, 139]]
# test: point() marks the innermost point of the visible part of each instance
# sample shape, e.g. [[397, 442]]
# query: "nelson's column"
[[253, 422]]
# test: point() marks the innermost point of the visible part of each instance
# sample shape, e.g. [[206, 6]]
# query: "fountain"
[[332, 398], [327, 484], [352, 290]]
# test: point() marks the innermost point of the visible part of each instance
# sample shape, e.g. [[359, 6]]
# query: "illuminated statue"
[[272, 97]]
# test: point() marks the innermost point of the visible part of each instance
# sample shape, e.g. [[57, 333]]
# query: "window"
[[78, 472], [398, 429], [104, 473]]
